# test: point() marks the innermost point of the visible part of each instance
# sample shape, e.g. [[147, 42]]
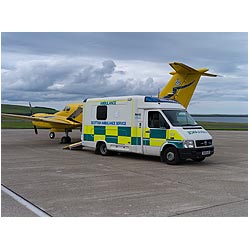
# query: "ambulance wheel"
[[199, 159], [51, 135], [103, 149], [171, 156]]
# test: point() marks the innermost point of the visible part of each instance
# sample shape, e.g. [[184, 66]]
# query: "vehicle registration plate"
[[205, 152]]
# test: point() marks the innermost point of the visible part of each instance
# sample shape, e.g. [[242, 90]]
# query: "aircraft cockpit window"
[[67, 108]]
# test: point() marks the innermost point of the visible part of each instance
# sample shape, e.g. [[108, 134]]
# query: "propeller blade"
[[35, 128], [31, 112]]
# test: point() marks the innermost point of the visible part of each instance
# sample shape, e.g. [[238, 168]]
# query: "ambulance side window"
[[101, 113], [156, 120]]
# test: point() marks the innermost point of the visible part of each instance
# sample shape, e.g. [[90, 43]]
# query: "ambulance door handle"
[[147, 132]]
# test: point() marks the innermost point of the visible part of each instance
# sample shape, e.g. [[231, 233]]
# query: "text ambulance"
[[144, 125]]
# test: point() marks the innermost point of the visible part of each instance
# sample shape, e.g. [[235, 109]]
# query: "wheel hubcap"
[[103, 149], [170, 156]]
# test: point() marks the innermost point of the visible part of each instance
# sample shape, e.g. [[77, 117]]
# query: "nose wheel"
[[51, 135], [65, 139]]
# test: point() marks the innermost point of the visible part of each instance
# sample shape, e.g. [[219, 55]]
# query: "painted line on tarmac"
[[29, 205]]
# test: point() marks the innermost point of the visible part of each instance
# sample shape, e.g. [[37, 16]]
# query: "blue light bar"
[[156, 99]]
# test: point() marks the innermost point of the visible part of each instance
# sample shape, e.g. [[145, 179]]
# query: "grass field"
[[10, 123], [223, 126]]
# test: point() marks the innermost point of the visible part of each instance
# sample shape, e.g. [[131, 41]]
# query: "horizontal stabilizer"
[[208, 74], [182, 68]]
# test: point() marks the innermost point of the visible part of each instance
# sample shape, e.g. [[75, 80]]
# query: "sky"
[[53, 69]]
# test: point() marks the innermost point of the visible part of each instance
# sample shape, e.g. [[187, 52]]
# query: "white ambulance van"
[[144, 125]]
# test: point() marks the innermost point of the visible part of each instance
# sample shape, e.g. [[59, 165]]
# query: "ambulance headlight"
[[188, 144]]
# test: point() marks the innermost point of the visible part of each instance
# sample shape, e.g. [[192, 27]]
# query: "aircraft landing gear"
[[65, 139], [51, 135]]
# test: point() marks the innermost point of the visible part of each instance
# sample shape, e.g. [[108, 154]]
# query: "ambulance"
[[144, 125]]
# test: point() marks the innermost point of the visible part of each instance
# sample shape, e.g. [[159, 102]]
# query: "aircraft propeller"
[[31, 113]]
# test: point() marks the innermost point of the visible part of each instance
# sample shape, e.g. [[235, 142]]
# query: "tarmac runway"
[[79, 183]]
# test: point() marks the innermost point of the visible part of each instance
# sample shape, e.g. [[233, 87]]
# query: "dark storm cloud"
[[196, 47]]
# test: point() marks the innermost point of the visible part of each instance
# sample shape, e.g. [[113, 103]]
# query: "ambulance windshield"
[[179, 118]]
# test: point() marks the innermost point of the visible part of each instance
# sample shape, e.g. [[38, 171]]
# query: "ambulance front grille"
[[203, 143]]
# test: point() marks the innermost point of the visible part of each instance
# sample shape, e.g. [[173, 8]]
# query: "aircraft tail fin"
[[183, 83]]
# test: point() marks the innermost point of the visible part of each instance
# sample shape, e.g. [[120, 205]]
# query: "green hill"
[[7, 122], [25, 110]]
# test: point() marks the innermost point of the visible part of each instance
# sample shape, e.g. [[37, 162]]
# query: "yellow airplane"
[[63, 121], [182, 84], [180, 87]]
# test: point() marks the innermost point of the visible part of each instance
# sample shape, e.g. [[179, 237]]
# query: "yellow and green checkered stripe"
[[113, 134], [157, 137], [131, 135]]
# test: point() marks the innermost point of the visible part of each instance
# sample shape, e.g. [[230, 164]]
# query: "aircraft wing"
[[25, 117], [52, 119]]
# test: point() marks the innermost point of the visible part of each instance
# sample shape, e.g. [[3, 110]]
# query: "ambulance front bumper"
[[195, 153]]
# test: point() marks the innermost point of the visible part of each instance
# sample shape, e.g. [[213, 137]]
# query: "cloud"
[[63, 78], [72, 66], [90, 75], [104, 81], [34, 75], [59, 79]]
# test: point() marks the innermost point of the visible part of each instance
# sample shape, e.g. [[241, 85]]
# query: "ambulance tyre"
[[171, 156], [103, 148]]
